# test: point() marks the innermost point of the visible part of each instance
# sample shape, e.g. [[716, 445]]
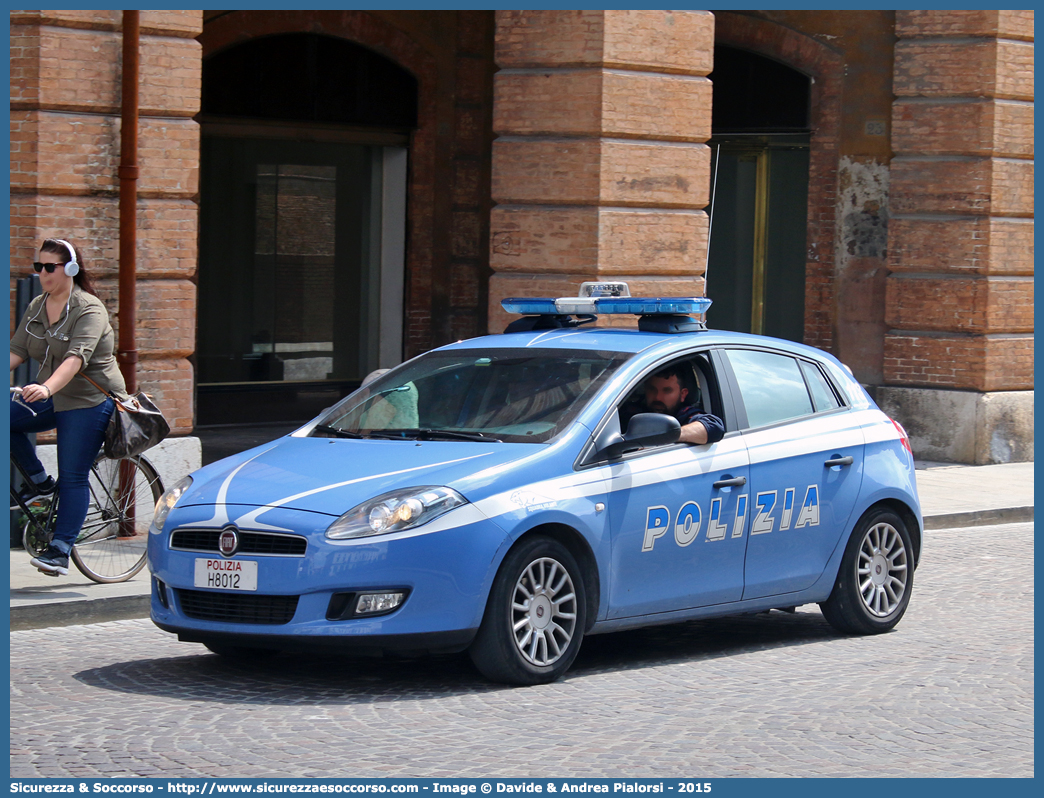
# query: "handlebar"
[[16, 394]]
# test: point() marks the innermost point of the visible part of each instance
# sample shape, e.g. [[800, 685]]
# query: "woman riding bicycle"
[[67, 331]]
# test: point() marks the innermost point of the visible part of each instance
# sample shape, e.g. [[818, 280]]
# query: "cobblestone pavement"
[[948, 693]]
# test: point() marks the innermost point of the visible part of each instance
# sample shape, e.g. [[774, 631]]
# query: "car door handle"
[[839, 461], [735, 482]]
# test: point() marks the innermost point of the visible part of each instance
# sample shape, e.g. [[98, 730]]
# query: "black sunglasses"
[[50, 267]]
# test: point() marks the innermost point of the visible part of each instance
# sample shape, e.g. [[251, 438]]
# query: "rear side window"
[[771, 386], [822, 393]]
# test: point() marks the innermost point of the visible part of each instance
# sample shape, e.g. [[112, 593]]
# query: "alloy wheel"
[[543, 611], [882, 569]]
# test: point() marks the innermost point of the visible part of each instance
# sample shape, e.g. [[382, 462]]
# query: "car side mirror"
[[643, 431]]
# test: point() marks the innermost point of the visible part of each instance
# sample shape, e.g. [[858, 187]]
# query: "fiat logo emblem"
[[540, 612], [228, 542]]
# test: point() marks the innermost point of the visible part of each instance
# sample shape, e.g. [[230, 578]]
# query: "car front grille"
[[204, 605], [271, 543]]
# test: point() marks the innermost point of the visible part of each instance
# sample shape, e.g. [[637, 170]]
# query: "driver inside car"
[[667, 392]]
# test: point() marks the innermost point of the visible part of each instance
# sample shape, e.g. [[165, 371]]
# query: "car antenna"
[[710, 221]]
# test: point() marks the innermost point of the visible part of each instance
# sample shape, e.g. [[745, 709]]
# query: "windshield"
[[513, 395]]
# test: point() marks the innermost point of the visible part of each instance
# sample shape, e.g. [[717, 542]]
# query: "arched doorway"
[[760, 148], [302, 224]]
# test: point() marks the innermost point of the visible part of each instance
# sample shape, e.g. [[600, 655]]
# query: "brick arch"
[[360, 27], [826, 68], [236, 27]]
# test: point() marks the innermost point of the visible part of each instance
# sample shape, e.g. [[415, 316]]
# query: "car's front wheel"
[[535, 616], [874, 582]]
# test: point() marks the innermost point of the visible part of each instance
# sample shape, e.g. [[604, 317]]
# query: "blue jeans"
[[80, 436]]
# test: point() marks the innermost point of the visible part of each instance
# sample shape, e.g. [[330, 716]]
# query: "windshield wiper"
[[454, 435], [337, 431], [431, 435]]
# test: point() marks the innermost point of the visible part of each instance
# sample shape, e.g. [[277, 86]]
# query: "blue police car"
[[502, 495]]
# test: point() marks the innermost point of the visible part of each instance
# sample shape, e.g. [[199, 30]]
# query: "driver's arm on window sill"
[[694, 432], [706, 428]]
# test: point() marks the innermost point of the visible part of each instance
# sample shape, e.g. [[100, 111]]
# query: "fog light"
[[370, 603], [161, 592]]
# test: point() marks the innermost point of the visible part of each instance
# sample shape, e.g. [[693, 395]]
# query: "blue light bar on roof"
[[637, 306], [529, 307], [640, 306]]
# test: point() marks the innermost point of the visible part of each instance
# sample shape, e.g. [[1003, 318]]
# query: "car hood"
[[332, 475]]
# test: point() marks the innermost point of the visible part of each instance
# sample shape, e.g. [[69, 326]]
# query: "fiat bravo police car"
[[493, 496]]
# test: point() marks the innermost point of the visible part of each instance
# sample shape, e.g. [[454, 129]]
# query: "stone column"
[[958, 361], [65, 120], [600, 169]]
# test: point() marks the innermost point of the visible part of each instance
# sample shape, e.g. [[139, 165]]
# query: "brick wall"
[[960, 292], [470, 178], [65, 129], [600, 169]]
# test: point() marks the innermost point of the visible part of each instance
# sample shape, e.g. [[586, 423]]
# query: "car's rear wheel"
[[875, 580], [534, 620]]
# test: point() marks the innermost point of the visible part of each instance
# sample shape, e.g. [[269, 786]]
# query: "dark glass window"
[[289, 268], [306, 77]]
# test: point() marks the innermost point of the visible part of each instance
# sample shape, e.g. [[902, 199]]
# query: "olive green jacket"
[[82, 330]]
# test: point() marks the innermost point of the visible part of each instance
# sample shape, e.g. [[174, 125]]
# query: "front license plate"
[[226, 574]]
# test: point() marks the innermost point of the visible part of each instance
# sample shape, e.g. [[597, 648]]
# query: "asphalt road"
[[948, 693]]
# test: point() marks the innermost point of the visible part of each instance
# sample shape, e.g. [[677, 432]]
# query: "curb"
[[1008, 515], [73, 613]]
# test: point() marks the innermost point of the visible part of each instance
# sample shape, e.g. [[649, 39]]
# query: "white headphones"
[[72, 268]]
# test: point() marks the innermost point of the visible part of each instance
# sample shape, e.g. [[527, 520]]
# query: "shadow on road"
[[317, 679], [696, 641]]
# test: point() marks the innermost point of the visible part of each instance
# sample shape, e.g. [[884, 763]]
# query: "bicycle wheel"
[[111, 547]]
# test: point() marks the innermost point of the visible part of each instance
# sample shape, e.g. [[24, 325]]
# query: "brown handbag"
[[136, 424]]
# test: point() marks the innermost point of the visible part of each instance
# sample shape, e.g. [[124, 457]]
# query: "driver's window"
[[671, 387]]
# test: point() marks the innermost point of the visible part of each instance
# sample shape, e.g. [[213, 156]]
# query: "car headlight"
[[168, 500], [395, 511]]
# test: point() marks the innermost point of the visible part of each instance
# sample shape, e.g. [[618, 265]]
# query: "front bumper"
[[447, 574]]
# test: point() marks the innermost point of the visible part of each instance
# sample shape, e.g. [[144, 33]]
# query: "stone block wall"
[[65, 151], [600, 170]]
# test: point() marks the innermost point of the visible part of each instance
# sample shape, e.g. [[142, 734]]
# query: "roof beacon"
[[662, 314]]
